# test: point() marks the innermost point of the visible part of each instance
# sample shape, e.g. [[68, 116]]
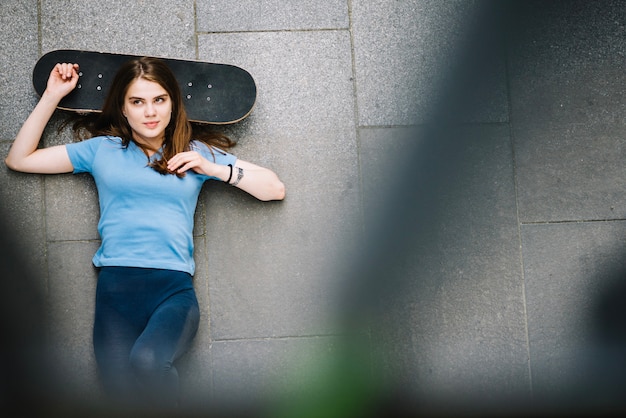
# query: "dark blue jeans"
[[145, 320]]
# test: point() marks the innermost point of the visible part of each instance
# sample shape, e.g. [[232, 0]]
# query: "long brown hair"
[[179, 132]]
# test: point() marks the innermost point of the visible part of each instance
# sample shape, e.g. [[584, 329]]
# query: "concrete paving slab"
[[304, 115], [381, 152], [22, 204], [156, 28], [273, 273], [76, 195], [249, 371], [458, 317], [250, 15], [571, 270], [304, 79], [401, 52], [71, 302], [570, 171], [19, 49], [567, 112], [567, 66], [201, 285], [194, 368]]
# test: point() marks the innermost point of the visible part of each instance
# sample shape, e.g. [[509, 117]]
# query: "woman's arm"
[[24, 155], [260, 182]]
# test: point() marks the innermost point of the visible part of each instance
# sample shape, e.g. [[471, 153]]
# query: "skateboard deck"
[[212, 93]]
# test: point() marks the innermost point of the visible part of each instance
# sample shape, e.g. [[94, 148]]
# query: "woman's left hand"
[[192, 160]]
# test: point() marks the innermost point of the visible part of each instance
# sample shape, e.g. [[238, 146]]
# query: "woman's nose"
[[150, 109]]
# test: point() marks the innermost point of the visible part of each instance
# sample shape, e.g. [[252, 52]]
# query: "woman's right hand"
[[63, 79]]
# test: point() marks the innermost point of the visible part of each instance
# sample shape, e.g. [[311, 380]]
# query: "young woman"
[[148, 167]]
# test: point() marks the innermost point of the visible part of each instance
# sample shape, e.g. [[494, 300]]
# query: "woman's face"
[[148, 109]]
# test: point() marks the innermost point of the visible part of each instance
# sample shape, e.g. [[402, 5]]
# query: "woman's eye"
[[136, 102]]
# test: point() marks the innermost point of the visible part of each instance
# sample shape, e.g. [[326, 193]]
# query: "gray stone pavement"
[[504, 300]]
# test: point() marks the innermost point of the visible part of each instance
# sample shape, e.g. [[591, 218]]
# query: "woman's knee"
[[145, 361]]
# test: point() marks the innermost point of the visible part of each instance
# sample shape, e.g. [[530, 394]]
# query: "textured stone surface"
[[22, 204], [574, 290], [403, 51], [18, 20], [258, 253], [497, 298], [570, 171], [252, 370], [71, 299], [135, 27], [457, 301], [568, 111], [250, 15]]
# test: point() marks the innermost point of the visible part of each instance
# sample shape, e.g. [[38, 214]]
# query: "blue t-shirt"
[[146, 218]]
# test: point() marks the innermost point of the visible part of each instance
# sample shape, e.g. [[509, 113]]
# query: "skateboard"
[[212, 93]]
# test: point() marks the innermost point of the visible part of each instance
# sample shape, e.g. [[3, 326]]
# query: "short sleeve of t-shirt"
[[82, 154]]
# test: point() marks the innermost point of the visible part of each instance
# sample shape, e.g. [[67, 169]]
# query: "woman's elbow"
[[19, 165], [10, 163], [274, 191], [277, 191]]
